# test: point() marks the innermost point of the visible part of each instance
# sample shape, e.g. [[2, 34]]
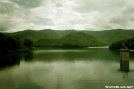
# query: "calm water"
[[92, 68]]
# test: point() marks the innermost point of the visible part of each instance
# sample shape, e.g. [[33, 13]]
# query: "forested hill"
[[81, 38], [100, 38], [41, 34], [11, 44], [72, 40], [123, 44], [111, 36]]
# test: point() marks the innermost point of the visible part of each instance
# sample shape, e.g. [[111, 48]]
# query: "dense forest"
[[122, 44], [14, 44], [72, 38], [105, 36]]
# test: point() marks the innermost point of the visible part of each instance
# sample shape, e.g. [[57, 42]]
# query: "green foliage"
[[71, 45], [79, 38], [128, 43], [72, 40], [110, 36], [11, 44], [47, 42], [117, 45], [105, 37], [28, 43], [42, 34], [56, 38]]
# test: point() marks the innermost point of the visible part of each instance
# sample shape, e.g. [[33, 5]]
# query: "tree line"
[[14, 44], [123, 44]]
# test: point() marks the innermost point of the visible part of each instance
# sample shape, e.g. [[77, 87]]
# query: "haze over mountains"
[[49, 37]]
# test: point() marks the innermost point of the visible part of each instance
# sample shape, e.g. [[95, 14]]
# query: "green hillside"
[[56, 34], [9, 44], [31, 34], [122, 44], [110, 36], [50, 37], [41, 34], [80, 38], [75, 39], [47, 43]]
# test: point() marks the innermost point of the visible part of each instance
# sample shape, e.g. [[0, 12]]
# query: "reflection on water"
[[66, 69], [28, 56], [8, 60], [71, 55]]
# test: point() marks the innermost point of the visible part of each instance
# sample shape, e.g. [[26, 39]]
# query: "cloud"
[[66, 14], [125, 18], [6, 7], [28, 3], [86, 6], [13, 17], [6, 12], [63, 16], [112, 14]]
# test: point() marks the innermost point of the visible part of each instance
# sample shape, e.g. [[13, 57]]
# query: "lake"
[[91, 68]]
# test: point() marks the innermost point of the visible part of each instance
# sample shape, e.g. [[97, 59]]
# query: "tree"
[[8, 43], [129, 43], [28, 43]]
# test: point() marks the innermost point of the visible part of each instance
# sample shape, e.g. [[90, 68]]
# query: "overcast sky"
[[16, 15]]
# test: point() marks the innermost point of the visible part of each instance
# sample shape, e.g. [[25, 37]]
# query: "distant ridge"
[[100, 38]]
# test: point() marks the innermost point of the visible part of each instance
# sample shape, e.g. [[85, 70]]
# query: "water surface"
[[92, 68]]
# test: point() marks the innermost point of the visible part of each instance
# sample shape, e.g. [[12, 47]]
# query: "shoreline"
[[16, 51], [99, 47]]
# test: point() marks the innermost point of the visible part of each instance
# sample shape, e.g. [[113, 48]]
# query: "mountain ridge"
[[105, 37]]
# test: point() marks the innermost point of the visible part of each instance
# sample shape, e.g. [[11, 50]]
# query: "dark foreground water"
[[92, 68]]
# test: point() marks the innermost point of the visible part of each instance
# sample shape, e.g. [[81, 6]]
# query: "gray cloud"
[[124, 17], [86, 6], [66, 14], [6, 12], [43, 21], [28, 3], [6, 7], [5, 24], [13, 17]]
